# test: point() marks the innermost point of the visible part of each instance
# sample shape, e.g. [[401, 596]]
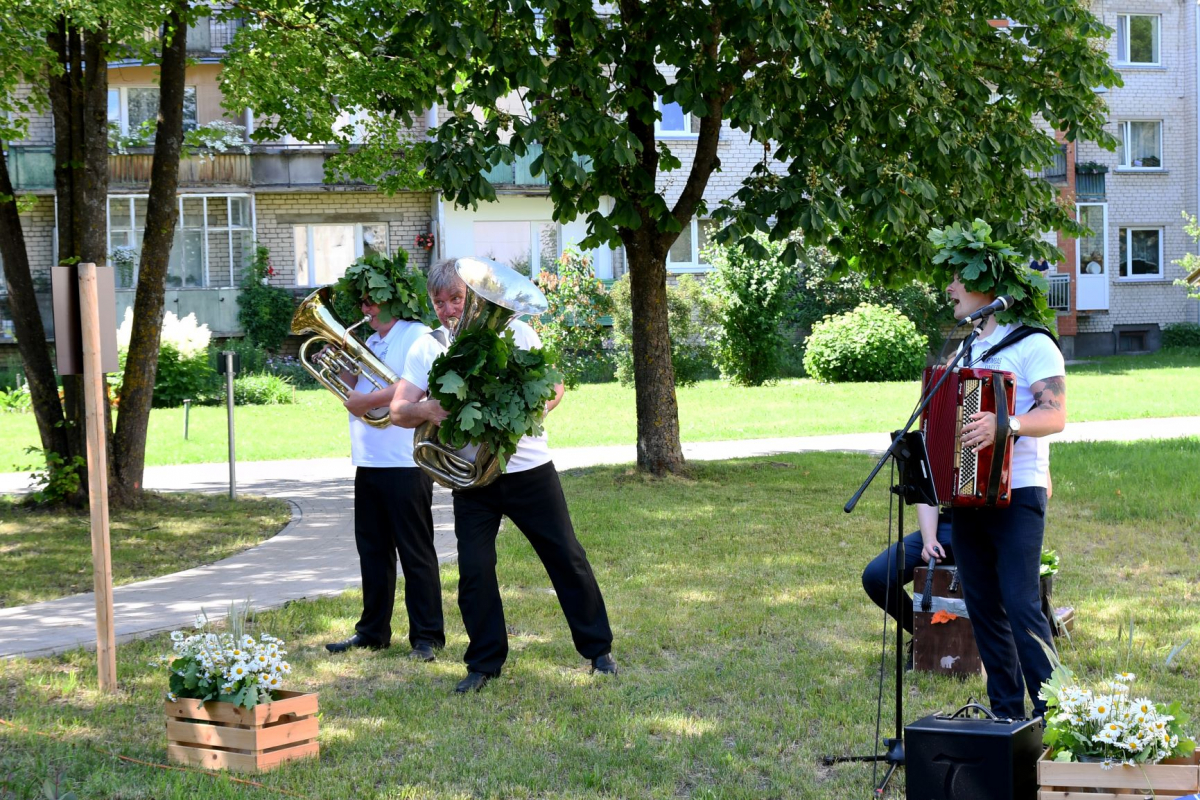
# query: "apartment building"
[[1121, 278], [276, 195]]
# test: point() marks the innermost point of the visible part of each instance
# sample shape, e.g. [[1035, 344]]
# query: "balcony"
[[1059, 295], [1089, 185], [1057, 171], [519, 172], [32, 169]]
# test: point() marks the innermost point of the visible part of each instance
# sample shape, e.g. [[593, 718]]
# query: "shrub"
[[821, 290], [252, 359], [690, 319], [183, 370], [262, 390], [750, 296], [571, 328], [1181, 335], [15, 401], [264, 311], [870, 343], [289, 368]]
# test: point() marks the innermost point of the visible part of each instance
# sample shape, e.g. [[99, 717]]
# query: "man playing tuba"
[[392, 495], [528, 493]]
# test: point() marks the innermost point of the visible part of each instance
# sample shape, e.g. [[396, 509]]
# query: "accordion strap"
[[1002, 440]]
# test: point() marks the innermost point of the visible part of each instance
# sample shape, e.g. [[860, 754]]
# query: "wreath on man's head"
[[984, 264], [388, 283]]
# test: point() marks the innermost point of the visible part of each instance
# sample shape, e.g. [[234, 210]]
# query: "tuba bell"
[[495, 293], [344, 353]]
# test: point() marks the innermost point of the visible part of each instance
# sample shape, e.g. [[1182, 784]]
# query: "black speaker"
[[952, 757]]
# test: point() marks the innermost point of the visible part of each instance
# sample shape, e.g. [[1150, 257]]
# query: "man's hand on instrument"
[[358, 403], [432, 411], [932, 550], [980, 431]]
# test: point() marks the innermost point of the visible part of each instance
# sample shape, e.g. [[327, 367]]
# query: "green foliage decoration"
[[571, 328], [264, 311], [987, 264], [493, 391], [398, 291], [750, 296], [692, 323], [871, 343]]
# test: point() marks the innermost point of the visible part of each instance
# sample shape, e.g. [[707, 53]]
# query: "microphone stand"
[[908, 450]]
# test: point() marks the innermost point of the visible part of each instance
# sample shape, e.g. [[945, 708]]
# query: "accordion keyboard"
[[967, 468]]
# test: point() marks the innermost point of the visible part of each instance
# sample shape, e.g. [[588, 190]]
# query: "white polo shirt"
[[1033, 359], [532, 451], [391, 446]]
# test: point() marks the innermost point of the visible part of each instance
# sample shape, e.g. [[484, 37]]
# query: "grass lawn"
[[48, 554], [603, 414], [747, 649]]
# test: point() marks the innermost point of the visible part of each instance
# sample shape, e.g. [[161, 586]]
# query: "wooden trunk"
[[221, 735], [1168, 780], [945, 647]]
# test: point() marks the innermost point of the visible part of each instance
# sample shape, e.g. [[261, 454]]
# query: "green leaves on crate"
[[493, 392], [398, 291], [984, 264]]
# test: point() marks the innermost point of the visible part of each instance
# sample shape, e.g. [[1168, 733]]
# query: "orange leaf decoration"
[[943, 616]]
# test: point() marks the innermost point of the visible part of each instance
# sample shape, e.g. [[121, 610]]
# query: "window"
[[323, 252], [214, 240], [529, 247], [130, 106], [687, 254], [1137, 39], [1141, 253], [674, 121], [1140, 144], [1091, 253]]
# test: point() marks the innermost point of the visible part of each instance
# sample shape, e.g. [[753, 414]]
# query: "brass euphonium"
[[495, 293], [344, 354]]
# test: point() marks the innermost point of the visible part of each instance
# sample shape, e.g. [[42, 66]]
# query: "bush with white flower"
[[230, 666], [1108, 722]]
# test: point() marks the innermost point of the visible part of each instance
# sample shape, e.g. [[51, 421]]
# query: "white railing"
[[1059, 296]]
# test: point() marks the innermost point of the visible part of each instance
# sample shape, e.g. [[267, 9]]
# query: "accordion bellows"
[[962, 476]]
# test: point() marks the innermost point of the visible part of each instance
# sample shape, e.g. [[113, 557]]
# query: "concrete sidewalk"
[[315, 556]]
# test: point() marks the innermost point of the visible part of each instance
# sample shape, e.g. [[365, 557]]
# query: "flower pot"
[[1168, 780], [220, 735]]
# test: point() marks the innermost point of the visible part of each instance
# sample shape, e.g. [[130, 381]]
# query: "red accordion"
[[962, 476]]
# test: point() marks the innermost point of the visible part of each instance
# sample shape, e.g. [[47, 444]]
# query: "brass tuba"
[[345, 353], [495, 293]]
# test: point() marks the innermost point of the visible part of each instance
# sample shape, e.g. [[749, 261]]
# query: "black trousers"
[[534, 501], [998, 552], [392, 514]]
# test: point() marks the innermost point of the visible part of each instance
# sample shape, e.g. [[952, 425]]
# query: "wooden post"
[[97, 459]]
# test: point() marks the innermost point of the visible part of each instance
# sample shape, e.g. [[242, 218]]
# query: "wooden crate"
[[220, 735], [1171, 779], [944, 647]]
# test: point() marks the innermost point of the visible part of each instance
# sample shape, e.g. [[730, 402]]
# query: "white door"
[[1091, 259]]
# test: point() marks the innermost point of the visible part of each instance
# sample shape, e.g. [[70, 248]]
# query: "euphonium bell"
[[338, 351], [495, 294]]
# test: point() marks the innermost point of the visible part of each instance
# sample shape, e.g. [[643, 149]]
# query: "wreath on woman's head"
[[984, 264], [399, 292]]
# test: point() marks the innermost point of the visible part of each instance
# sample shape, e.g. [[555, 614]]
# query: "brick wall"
[[1151, 199], [405, 215]]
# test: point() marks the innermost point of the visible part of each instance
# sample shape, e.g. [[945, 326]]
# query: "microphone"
[[1001, 303]]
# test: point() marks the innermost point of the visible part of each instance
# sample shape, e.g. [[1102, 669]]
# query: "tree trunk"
[[658, 448], [79, 104], [27, 322], [137, 389]]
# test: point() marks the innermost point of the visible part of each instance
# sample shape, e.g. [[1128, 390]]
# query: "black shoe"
[[422, 652], [473, 682], [354, 641], [604, 665]]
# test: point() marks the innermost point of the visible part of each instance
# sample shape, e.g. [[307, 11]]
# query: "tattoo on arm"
[[1051, 393]]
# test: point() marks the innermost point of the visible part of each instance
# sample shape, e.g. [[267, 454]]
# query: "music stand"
[[914, 485]]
